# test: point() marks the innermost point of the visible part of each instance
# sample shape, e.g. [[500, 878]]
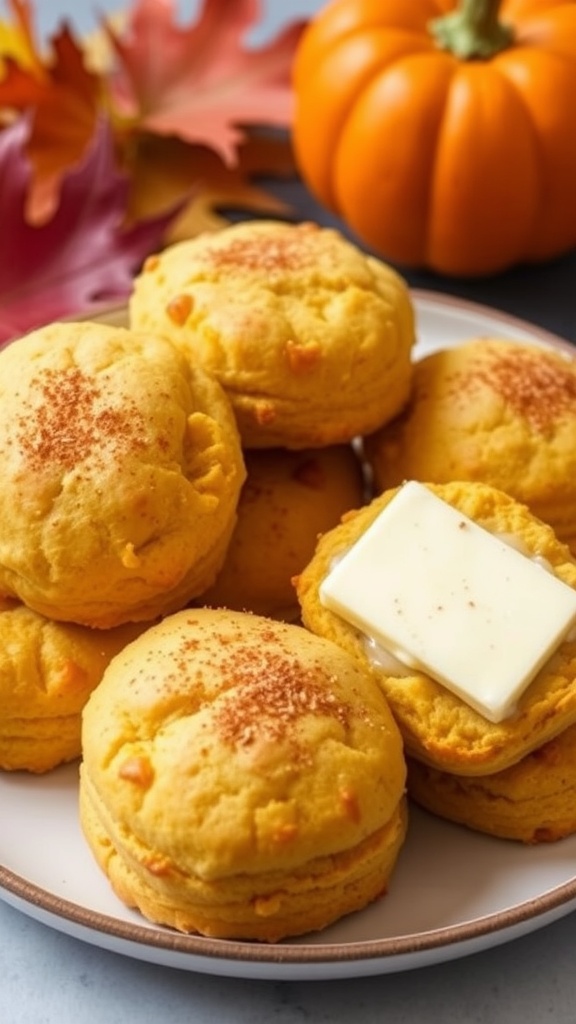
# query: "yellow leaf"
[[17, 40]]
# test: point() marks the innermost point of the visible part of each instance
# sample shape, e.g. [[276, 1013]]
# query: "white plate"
[[454, 892]]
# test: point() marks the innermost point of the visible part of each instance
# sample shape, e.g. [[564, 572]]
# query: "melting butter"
[[444, 596]]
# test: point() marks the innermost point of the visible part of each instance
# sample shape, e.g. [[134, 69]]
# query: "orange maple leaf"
[[64, 98], [200, 82]]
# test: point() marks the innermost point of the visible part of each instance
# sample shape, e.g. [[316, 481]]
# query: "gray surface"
[[48, 978]]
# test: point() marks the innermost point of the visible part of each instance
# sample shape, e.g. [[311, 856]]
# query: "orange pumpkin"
[[444, 138]]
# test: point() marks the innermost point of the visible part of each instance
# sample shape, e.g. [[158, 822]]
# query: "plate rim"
[[553, 902], [455, 939]]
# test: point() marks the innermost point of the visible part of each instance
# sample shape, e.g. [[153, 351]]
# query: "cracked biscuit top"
[[120, 471], [310, 337]]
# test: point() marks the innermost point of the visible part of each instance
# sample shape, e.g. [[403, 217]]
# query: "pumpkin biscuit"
[[438, 727], [288, 499], [494, 411], [121, 470], [47, 672], [241, 778], [310, 337], [533, 801]]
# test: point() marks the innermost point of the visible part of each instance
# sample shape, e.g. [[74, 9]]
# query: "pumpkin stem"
[[472, 30]]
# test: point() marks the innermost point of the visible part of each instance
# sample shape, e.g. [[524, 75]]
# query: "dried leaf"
[[200, 82], [64, 98], [165, 171], [85, 253]]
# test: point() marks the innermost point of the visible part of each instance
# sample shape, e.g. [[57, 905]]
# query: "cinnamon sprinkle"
[[538, 386], [264, 690], [275, 692], [70, 420], [283, 252]]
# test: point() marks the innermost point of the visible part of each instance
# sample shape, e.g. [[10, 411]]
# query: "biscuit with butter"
[[288, 499], [241, 778], [533, 801], [47, 672], [494, 411], [120, 470], [310, 337], [439, 727]]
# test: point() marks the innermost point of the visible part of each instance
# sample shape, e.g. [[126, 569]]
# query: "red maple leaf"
[[84, 253], [201, 83]]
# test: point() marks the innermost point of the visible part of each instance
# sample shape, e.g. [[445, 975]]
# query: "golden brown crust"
[[533, 801], [289, 498], [121, 469], [439, 728], [310, 338], [241, 777], [494, 411], [47, 672]]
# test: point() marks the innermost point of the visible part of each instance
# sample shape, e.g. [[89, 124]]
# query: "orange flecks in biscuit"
[[137, 769], [71, 677], [158, 866], [150, 263], [350, 804], [129, 558], [264, 413], [179, 309], [285, 834], [267, 906], [302, 357]]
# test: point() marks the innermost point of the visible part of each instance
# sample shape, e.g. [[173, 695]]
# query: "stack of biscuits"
[[162, 484], [174, 492], [514, 778], [121, 468], [312, 340]]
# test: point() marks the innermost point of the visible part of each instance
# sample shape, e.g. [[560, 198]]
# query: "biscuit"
[[121, 470], [47, 672], [241, 778], [288, 499], [438, 727], [494, 411], [533, 801], [310, 337]]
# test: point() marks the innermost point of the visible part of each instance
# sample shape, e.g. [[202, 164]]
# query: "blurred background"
[[84, 14]]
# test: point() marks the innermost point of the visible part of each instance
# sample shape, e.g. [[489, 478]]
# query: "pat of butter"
[[448, 598]]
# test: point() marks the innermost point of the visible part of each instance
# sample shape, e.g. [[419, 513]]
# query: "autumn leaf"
[[64, 97], [166, 170], [200, 82], [84, 254], [17, 37]]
